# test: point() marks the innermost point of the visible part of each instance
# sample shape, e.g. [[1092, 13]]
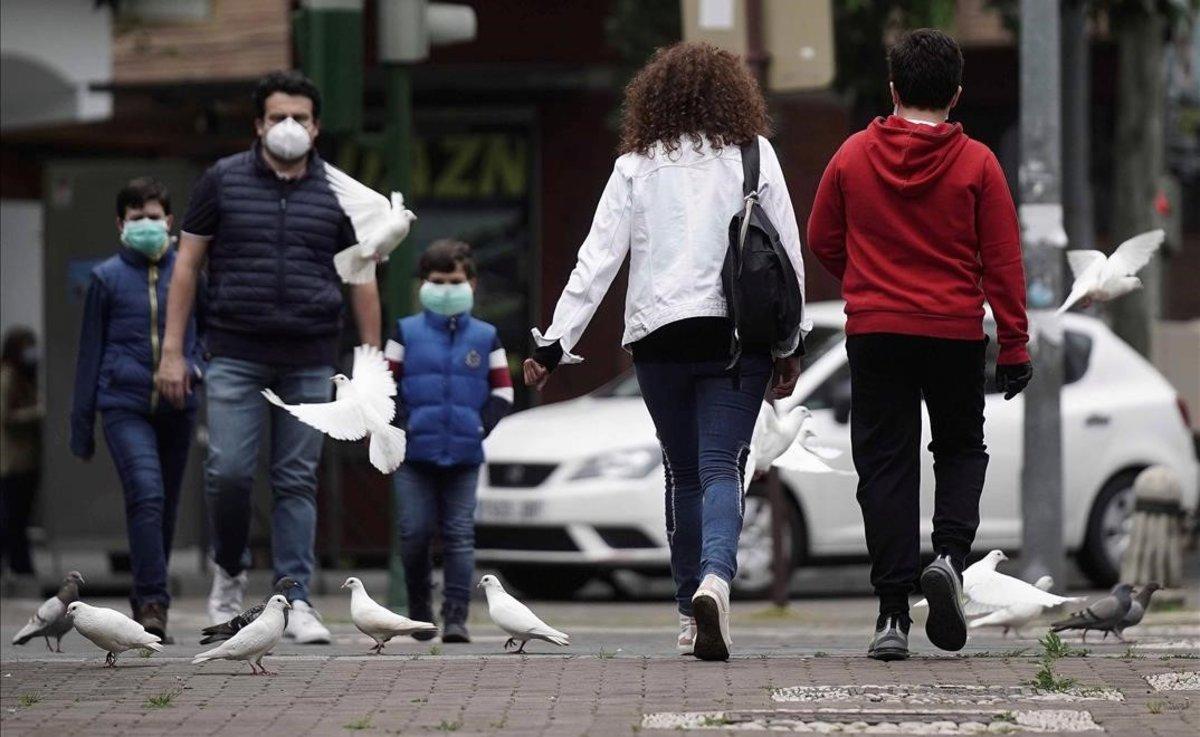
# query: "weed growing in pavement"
[[435, 649], [445, 726], [357, 724], [1054, 646], [163, 700], [29, 699], [1155, 707], [1131, 654], [820, 654], [1045, 680], [145, 653], [605, 654], [1005, 716], [418, 701], [717, 721]]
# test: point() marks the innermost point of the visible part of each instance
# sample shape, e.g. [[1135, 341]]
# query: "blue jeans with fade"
[[431, 498], [704, 420], [150, 452], [238, 417]]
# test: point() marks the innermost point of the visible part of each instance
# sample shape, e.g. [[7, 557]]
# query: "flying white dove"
[[987, 590], [516, 619], [808, 456], [253, 641], [380, 225], [51, 620], [1102, 278], [111, 631], [362, 406], [379, 623], [773, 434], [1016, 616]]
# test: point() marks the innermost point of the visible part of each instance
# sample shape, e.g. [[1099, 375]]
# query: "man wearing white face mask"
[[454, 387], [269, 225]]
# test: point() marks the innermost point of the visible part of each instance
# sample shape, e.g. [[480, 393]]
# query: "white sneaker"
[[687, 634], [225, 598], [304, 625], [710, 607]]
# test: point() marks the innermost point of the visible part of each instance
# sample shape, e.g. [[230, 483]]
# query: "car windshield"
[[817, 343]]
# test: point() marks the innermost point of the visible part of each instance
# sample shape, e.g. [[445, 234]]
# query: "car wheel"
[[546, 582], [1109, 525], [754, 554]]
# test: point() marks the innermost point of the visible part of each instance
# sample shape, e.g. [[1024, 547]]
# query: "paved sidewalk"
[[619, 677]]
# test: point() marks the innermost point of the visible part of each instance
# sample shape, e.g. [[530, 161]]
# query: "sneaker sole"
[[888, 654], [455, 639], [709, 644], [946, 626]]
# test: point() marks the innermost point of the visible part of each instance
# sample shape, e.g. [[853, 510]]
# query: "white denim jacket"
[[671, 213]]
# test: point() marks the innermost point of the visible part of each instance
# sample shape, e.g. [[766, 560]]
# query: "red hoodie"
[[918, 224]]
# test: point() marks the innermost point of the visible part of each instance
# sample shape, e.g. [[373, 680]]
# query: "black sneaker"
[[422, 612], [946, 626], [891, 637], [455, 617]]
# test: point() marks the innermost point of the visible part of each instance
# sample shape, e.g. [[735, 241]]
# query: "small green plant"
[[145, 653], [162, 700], [1156, 707], [357, 724], [715, 721], [605, 654], [1053, 646], [435, 649], [420, 700], [29, 699], [1046, 680], [1005, 716], [1131, 654], [445, 726], [820, 654]]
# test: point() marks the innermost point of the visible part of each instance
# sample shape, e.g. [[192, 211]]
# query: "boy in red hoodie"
[[917, 222]]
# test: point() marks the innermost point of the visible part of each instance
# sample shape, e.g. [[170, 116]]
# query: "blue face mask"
[[447, 299], [147, 237]]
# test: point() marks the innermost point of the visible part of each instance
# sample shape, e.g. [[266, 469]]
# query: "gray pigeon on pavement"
[[1105, 614], [225, 630], [51, 620], [1138, 607]]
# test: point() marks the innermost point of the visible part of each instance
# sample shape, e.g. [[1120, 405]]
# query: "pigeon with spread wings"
[[1102, 278], [379, 223], [362, 406]]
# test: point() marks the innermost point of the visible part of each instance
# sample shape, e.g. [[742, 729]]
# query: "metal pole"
[[398, 288], [1077, 138], [1042, 232]]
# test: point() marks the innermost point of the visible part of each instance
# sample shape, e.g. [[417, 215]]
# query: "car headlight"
[[631, 463]]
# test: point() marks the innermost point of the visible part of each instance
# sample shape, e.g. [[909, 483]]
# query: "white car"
[[577, 487]]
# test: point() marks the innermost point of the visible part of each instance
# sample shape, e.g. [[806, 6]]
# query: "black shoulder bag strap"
[[749, 198]]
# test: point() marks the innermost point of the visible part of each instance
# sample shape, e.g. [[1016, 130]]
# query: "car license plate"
[[507, 510]]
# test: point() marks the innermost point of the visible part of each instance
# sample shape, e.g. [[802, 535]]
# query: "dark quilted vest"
[[270, 263]]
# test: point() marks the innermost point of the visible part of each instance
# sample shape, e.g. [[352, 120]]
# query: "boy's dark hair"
[[446, 255], [289, 82], [925, 66], [140, 191]]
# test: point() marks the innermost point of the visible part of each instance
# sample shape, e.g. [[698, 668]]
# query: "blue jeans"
[[430, 498], [150, 453], [238, 416], [704, 425]]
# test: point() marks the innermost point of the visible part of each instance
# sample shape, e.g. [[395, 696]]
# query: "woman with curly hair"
[[668, 205]]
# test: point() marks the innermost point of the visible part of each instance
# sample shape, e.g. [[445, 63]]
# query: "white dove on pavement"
[[253, 641], [1103, 278], [377, 622], [516, 619], [987, 590], [111, 631], [808, 456], [1016, 616], [51, 620], [379, 224], [362, 406], [773, 434]]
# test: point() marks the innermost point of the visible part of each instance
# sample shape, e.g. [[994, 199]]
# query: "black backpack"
[[761, 290]]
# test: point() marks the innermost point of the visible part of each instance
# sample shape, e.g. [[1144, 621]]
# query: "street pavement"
[[801, 669]]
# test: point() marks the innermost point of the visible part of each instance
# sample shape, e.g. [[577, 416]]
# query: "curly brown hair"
[[695, 90]]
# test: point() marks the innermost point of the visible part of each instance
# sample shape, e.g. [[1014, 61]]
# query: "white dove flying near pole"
[[987, 590], [380, 224], [774, 433], [510, 615], [1102, 278], [362, 406]]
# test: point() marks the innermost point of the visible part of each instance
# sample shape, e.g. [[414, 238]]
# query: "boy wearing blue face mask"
[[454, 387], [119, 350]]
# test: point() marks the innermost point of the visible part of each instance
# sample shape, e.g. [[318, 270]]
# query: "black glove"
[[549, 355], [1011, 379]]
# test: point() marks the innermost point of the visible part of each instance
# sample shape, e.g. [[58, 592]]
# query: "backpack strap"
[[750, 167]]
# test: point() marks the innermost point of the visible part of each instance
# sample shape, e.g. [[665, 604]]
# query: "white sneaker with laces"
[[687, 634], [225, 597], [304, 625], [710, 607]]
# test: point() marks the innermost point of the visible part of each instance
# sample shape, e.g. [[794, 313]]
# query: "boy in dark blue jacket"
[[454, 387], [119, 350]]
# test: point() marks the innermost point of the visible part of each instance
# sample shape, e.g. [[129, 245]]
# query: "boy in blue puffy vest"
[[454, 387], [120, 346]]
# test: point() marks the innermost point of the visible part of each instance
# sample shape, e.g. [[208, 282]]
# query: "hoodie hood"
[[911, 157]]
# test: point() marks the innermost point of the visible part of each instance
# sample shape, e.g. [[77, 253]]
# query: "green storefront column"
[[329, 44]]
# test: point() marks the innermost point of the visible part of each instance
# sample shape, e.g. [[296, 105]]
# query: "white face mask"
[[288, 140]]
